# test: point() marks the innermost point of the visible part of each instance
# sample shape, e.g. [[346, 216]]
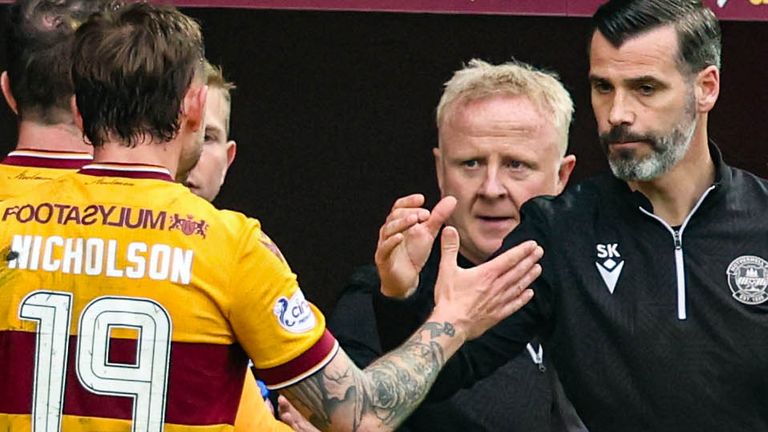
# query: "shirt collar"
[[137, 171], [723, 179], [47, 159]]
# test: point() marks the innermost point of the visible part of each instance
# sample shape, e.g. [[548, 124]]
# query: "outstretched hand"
[[477, 298], [405, 241]]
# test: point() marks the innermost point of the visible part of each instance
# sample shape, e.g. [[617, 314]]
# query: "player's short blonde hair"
[[214, 78], [479, 79]]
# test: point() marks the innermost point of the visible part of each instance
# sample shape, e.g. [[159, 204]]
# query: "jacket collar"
[[723, 180]]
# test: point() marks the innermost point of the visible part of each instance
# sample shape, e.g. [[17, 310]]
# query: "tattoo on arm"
[[386, 392]]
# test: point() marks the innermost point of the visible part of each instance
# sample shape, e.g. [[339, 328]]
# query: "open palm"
[[405, 242]]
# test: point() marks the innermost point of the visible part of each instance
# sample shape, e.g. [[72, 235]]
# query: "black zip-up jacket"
[[520, 389], [650, 327]]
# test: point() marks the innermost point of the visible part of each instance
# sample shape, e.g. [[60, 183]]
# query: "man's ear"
[[707, 88], [438, 167], [5, 84], [76, 116], [193, 106], [564, 172], [231, 152]]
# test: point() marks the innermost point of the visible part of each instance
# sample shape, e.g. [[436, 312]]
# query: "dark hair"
[[39, 36], [131, 70], [698, 31]]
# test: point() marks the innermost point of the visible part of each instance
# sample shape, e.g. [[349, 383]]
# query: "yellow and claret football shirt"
[[253, 414], [22, 170], [127, 301]]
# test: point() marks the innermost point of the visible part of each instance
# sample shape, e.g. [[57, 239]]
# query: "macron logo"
[[609, 264]]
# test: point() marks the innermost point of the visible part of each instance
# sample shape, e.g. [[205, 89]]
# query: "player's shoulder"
[[579, 200], [15, 191], [747, 182], [235, 223], [249, 232], [238, 218]]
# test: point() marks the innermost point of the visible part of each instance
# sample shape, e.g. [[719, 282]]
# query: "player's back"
[[21, 170], [152, 284]]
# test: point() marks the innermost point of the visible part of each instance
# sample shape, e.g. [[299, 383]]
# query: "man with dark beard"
[[653, 297], [667, 149]]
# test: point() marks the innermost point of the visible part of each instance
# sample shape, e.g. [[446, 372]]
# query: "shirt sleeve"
[[282, 333]]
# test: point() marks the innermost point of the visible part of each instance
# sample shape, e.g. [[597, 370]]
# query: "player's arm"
[[341, 397], [504, 341]]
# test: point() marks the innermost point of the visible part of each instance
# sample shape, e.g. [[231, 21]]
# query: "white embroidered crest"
[[748, 279]]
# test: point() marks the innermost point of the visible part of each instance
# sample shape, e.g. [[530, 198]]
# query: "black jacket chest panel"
[[610, 290]]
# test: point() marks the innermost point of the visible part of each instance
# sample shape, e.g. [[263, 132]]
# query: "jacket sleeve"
[[481, 357], [397, 319], [353, 322]]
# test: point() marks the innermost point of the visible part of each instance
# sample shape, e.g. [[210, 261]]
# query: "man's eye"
[[472, 163], [646, 89], [601, 87], [515, 164]]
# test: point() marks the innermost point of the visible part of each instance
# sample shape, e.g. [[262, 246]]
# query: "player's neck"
[[61, 137], [145, 152], [674, 194]]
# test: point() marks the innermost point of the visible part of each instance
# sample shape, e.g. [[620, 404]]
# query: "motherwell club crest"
[[748, 279], [188, 226]]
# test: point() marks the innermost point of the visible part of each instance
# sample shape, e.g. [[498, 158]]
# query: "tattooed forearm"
[[398, 388], [381, 396], [438, 329], [306, 398]]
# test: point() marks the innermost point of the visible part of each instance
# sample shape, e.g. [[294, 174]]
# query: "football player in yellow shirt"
[[38, 89], [205, 180], [127, 302]]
